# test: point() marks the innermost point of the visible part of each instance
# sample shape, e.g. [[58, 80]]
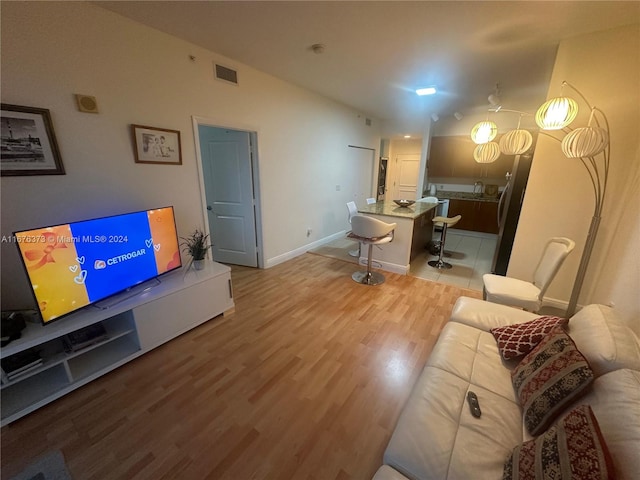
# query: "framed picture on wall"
[[157, 145], [28, 145]]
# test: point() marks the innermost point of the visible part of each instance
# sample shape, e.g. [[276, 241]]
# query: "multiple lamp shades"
[[590, 144], [554, 114]]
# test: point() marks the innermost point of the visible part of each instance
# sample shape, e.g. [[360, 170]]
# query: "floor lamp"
[[589, 144]]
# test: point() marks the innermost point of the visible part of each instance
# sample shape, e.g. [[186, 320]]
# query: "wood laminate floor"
[[304, 381]]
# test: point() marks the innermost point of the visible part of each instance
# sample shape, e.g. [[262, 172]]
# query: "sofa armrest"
[[486, 315]]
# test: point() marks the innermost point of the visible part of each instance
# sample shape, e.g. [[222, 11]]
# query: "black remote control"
[[472, 399]]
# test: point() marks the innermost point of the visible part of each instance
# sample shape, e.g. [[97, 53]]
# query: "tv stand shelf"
[[134, 326]]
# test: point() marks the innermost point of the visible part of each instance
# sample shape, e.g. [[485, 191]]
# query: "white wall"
[[52, 50], [605, 67]]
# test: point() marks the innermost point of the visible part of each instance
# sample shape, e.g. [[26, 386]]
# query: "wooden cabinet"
[[477, 215], [452, 156]]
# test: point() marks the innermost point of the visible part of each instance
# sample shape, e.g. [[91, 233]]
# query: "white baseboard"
[[272, 262], [558, 304]]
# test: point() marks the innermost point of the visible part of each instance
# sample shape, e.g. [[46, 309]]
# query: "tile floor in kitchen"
[[471, 257]]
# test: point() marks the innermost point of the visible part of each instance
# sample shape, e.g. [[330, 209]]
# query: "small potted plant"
[[196, 245]]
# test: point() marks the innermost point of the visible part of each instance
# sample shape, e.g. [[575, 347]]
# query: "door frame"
[[375, 162], [253, 136]]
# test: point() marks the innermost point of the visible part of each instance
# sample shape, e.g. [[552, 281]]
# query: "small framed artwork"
[[28, 143], [157, 145]]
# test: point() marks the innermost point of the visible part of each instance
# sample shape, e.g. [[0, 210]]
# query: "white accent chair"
[[353, 210], [529, 295], [370, 231]]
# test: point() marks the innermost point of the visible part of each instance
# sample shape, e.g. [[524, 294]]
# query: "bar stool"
[[446, 222], [353, 210], [370, 231]]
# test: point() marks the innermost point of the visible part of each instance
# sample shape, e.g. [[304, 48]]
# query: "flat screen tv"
[[77, 264]]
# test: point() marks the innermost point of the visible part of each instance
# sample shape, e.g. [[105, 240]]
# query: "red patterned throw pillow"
[[573, 448], [519, 339], [548, 378]]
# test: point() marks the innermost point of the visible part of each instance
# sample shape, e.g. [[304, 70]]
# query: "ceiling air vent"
[[226, 74]]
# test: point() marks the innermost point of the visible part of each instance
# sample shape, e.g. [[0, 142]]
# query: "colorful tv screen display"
[[77, 264]]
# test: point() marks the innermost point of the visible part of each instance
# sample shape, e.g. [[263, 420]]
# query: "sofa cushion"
[[519, 339], [485, 315], [615, 401], [604, 339], [436, 436], [550, 377], [572, 448]]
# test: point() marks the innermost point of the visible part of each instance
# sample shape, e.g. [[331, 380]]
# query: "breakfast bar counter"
[[412, 234]]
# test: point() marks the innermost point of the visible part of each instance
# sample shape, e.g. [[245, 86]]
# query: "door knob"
[[209, 207]]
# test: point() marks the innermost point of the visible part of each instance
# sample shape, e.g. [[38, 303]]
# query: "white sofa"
[[436, 436]]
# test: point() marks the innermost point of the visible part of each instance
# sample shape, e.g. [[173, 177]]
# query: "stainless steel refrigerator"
[[509, 211]]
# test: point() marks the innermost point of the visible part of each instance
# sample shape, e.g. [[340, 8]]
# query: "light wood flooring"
[[304, 381]]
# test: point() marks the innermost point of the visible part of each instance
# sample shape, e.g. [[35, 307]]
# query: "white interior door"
[[407, 171], [228, 181]]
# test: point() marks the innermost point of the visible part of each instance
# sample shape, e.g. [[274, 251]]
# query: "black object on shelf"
[[11, 327], [84, 337], [20, 362]]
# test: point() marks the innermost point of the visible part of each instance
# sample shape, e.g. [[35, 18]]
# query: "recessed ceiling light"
[[407, 136], [426, 91]]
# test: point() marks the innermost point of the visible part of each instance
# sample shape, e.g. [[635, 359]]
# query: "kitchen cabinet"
[[452, 156], [477, 215]]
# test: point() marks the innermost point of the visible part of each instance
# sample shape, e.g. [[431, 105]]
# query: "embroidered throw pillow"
[[548, 378], [572, 448], [519, 339]]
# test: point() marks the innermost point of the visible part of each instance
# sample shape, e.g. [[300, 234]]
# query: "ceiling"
[[378, 52]]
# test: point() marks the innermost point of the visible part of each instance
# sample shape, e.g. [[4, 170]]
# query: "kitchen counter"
[[479, 197], [390, 209], [414, 229]]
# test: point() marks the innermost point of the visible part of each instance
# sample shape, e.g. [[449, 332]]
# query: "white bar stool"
[[353, 210], [370, 231], [446, 222]]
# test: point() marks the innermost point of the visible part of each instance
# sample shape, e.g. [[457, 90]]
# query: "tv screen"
[[77, 264]]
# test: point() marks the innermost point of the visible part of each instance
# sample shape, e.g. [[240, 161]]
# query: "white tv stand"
[[134, 326]]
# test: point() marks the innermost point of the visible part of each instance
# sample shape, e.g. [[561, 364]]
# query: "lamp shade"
[[486, 152], [556, 113], [515, 142], [483, 132], [585, 142]]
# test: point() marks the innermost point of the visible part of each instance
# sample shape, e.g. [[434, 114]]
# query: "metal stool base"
[[368, 278], [439, 264]]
